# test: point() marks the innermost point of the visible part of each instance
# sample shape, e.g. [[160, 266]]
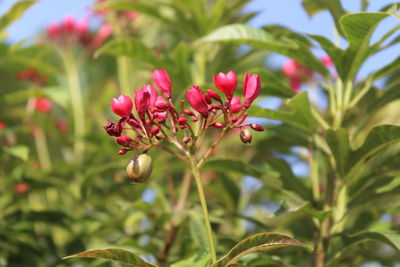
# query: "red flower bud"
[[21, 188], [69, 24], [53, 30], [155, 130], [235, 105], [251, 88], [196, 100], [257, 127], [122, 151], [161, 104], [43, 105], [226, 83], [207, 98], [182, 120], [213, 94], [234, 119], [122, 106], [163, 82], [218, 124], [2, 125], [124, 140], [188, 112]]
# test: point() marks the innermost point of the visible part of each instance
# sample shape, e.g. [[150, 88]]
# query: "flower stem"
[[123, 74], [199, 185], [76, 99], [42, 149]]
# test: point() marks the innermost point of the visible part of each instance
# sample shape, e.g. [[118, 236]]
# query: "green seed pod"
[[246, 135], [139, 168]]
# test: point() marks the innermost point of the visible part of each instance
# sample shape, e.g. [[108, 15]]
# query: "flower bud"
[[251, 88], [207, 98], [226, 83], [234, 119], [182, 120], [163, 82], [213, 94], [246, 135], [257, 127], [122, 151], [155, 130], [188, 112], [122, 106], [139, 168], [218, 124], [124, 140]]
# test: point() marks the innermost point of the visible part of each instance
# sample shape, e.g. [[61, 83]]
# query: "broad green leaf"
[[358, 29], [390, 238], [200, 259], [350, 161], [148, 9], [39, 56], [299, 114], [389, 95], [233, 166], [114, 254], [130, 47], [198, 230], [262, 242], [334, 52], [15, 12], [338, 141], [19, 151], [244, 34]]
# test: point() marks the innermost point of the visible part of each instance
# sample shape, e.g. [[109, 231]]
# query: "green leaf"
[[262, 242], [39, 56], [19, 151], [299, 115], [237, 166], [350, 161], [200, 259], [244, 34], [389, 238], [334, 52], [338, 141], [114, 254], [148, 9], [15, 12], [130, 47], [358, 29]]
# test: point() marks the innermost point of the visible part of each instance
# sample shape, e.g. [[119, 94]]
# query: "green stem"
[[76, 98], [199, 185], [42, 149], [123, 74]]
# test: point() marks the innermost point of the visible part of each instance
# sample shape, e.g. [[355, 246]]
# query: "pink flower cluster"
[[157, 117], [70, 32], [297, 73], [31, 74]]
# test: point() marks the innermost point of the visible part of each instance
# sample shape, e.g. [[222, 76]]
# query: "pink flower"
[[69, 24], [122, 106], [53, 30], [62, 125], [251, 88], [235, 105], [297, 73], [163, 82], [327, 61], [142, 101], [153, 95], [196, 100], [103, 33], [43, 105], [226, 83]]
